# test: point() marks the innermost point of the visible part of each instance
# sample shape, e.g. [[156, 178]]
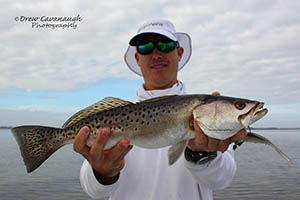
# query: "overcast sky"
[[247, 49]]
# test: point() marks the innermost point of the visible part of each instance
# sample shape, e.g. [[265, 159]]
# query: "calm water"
[[261, 174]]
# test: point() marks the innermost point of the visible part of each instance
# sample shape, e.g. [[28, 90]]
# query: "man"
[[157, 52]]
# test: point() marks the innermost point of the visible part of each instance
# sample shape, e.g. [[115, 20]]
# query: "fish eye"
[[240, 105]]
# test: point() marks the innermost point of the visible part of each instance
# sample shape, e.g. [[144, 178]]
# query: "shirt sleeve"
[[90, 184], [218, 174]]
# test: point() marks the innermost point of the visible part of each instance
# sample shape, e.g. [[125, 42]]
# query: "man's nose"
[[156, 54]]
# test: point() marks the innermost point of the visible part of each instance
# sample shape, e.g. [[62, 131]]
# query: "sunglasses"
[[147, 47]]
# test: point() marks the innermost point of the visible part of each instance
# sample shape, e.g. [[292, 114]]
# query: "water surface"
[[261, 174]]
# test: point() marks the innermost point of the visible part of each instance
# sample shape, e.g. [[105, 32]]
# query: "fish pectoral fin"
[[175, 151], [256, 138], [104, 104]]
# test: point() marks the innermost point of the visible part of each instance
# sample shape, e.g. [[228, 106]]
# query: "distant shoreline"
[[274, 128], [6, 127], [252, 128]]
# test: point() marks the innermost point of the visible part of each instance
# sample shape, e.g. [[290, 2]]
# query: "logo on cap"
[[150, 24]]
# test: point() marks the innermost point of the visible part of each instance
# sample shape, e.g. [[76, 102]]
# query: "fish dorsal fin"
[[104, 104], [158, 98]]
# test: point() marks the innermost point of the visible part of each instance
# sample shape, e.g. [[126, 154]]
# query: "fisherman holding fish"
[[157, 52], [201, 126]]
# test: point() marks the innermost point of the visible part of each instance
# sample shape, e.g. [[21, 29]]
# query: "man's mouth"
[[158, 66]]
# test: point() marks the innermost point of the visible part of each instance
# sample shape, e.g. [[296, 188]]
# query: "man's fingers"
[[241, 135], [212, 144], [80, 141], [118, 153], [216, 93], [223, 145], [200, 136], [98, 146]]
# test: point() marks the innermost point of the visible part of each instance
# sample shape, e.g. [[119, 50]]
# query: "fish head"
[[222, 117]]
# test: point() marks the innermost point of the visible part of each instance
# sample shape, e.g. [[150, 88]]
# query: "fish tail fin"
[[36, 143], [256, 138]]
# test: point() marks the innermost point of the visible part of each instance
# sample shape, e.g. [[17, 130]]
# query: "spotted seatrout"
[[154, 123]]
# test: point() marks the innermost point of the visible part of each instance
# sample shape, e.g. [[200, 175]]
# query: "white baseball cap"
[[162, 27]]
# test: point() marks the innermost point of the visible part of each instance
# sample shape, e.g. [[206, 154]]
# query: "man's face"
[[159, 68]]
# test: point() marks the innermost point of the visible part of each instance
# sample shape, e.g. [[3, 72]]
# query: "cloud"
[[244, 48]]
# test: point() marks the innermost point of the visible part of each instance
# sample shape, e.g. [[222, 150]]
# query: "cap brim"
[[165, 33], [184, 41]]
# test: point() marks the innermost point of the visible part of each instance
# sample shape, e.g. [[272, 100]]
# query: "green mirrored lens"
[[166, 46], [145, 48]]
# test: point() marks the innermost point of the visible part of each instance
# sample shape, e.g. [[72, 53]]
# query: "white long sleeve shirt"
[[147, 175]]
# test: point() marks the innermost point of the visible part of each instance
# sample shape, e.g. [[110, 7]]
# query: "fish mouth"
[[259, 112], [256, 113]]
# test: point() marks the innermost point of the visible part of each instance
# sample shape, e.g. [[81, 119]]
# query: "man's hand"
[[106, 164], [203, 143], [207, 144]]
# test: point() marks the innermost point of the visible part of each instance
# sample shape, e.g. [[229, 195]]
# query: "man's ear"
[[136, 56], [180, 51]]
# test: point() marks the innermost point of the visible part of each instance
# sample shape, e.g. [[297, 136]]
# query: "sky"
[[246, 49]]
